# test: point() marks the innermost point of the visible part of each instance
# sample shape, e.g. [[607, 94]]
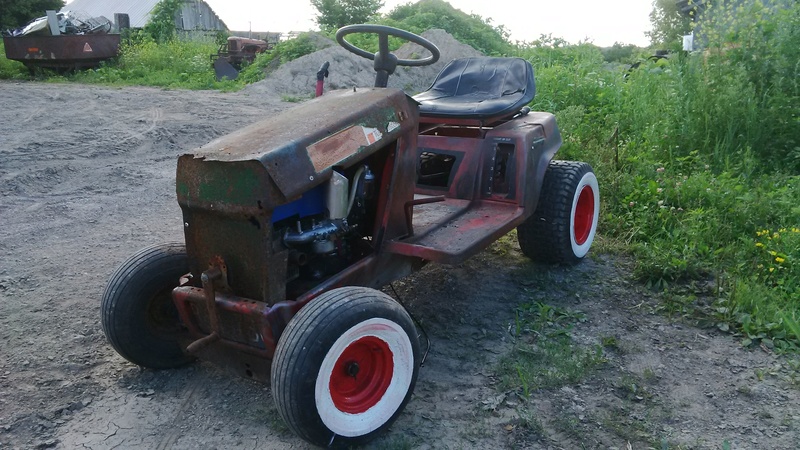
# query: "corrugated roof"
[[138, 11]]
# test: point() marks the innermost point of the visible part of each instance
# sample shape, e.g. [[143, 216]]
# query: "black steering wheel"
[[386, 62]]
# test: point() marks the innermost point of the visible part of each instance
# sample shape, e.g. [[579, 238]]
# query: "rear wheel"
[[138, 316], [345, 367], [563, 227]]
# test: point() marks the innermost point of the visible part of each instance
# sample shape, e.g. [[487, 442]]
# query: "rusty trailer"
[[63, 52]]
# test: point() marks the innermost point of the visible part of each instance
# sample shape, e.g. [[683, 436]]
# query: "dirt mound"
[[298, 78]]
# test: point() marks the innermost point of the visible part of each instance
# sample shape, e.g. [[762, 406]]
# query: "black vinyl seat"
[[479, 88]]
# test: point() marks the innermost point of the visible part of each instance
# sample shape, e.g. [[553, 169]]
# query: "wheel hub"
[[352, 369], [361, 375], [584, 215]]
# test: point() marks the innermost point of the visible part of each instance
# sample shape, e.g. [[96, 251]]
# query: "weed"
[[631, 388], [293, 98], [609, 342], [507, 246], [745, 390], [396, 442], [544, 354], [11, 69], [568, 425], [530, 420]]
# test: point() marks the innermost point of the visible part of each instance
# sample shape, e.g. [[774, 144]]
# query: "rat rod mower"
[[291, 224]]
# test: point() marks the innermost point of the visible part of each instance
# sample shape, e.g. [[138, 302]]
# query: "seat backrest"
[[479, 88]]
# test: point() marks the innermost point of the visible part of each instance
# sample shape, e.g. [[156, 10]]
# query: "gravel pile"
[[298, 78]]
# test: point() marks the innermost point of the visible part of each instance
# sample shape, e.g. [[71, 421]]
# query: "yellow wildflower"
[[779, 260], [795, 230], [772, 269], [759, 244], [773, 253]]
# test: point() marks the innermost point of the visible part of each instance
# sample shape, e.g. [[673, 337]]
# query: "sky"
[[600, 22]]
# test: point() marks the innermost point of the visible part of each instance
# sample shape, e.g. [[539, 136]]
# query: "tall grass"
[[699, 162], [11, 70], [172, 64]]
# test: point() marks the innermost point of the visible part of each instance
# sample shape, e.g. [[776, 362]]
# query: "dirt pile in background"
[[298, 78]]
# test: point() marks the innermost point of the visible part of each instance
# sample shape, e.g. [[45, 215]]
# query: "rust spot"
[[329, 151]]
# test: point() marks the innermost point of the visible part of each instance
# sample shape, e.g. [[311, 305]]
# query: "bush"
[[283, 52], [698, 161], [172, 64]]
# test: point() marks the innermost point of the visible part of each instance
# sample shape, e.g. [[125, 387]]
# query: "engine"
[[328, 228]]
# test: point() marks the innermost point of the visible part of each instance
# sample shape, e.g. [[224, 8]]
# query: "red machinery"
[[292, 223], [235, 52]]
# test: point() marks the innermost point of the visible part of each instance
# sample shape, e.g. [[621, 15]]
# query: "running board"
[[466, 228]]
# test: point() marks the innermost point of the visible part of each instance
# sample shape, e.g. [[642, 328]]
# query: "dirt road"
[[87, 178]]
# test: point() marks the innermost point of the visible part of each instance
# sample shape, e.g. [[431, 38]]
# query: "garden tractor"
[[293, 224], [235, 53]]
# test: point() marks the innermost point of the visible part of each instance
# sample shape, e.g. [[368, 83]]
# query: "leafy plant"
[[470, 29], [161, 26], [15, 13], [283, 52], [11, 69], [334, 14], [172, 64]]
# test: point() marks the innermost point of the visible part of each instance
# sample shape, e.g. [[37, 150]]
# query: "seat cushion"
[[479, 88]]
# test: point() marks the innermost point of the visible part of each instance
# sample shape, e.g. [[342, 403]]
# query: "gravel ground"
[[87, 178]]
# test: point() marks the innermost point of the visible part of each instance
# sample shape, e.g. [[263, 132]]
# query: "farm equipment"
[[62, 41], [292, 224], [235, 52]]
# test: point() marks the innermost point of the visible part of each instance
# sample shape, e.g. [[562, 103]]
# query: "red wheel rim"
[[584, 215], [362, 375]]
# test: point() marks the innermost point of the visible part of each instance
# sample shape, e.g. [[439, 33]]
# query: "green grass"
[[698, 158], [11, 70], [544, 355], [173, 64]]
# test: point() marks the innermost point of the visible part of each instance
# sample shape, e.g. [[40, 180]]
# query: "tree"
[[619, 52], [669, 24], [470, 29], [161, 25], [15, 13], [334, 14]]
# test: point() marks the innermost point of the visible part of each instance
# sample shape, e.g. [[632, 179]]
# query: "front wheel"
[[345, 367], [138, 316], [563, 227]]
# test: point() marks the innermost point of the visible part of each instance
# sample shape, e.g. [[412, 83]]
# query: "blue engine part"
[[311, 203]]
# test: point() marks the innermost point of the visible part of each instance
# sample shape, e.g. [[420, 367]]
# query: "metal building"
[[194, 15]]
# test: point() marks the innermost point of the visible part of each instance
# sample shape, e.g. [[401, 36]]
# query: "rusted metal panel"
[[226, 215], [64, 51], [338, 147], [463, 181], [296, 158], [537, 139], [462, 234], [252, 328]]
